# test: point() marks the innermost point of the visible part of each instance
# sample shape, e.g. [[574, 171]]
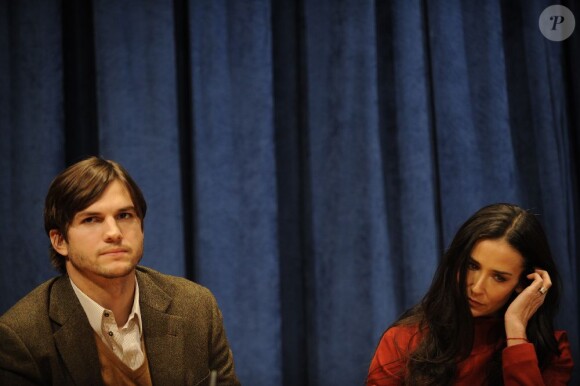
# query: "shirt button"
[[110, 333]]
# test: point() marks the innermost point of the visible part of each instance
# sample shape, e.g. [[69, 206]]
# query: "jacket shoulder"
[[169, 282], [31, 309], [181, 290]]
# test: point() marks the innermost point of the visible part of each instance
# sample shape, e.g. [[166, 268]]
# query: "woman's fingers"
[[542, 281]]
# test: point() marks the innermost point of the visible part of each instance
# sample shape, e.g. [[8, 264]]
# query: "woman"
[[488, 317]]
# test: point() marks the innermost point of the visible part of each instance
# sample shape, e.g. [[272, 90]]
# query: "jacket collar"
[[74, 337], [163, 332]]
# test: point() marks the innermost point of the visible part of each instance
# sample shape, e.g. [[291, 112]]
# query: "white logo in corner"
[[557, 23]]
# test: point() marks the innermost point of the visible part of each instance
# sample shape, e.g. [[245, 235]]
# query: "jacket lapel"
[[73, 335], [164, 333]]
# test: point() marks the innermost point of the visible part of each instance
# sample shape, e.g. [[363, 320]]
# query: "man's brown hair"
[[79, 186]]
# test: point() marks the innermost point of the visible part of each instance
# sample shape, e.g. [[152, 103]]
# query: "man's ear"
[[58, 242]]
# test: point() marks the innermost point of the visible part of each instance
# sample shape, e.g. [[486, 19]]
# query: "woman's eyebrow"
[[472, 260]]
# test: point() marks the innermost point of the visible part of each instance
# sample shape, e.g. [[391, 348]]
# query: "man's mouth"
[[114, 251]]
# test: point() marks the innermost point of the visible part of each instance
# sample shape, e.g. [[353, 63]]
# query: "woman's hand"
[[525, 305]]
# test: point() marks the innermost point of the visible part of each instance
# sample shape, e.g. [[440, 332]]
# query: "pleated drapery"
[[307, 161]]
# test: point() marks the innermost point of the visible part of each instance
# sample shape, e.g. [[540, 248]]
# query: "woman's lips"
[[475, 303]]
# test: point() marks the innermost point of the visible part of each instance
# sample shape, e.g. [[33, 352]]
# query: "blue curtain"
[[308, 161]]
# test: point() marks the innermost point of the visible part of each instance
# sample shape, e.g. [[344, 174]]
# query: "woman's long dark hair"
[[443, 315]]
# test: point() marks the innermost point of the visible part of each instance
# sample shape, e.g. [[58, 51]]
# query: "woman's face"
[[493, 274]]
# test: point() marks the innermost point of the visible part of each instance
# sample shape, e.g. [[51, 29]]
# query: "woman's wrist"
[[514, 328], [512, 341], [515, 334]]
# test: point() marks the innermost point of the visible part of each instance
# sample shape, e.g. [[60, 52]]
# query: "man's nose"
[[112, 231]]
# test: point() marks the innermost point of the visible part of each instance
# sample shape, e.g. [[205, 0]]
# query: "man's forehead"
[[115, 196]]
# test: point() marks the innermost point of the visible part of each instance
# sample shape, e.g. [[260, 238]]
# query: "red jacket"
[[520, 364]]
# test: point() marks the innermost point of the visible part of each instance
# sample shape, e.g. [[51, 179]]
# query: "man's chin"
[[117, 270], [119, 273]]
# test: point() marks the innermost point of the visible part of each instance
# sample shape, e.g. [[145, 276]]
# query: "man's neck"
[[115, 294]]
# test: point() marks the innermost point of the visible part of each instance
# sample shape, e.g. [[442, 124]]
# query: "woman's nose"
[[477, 283]]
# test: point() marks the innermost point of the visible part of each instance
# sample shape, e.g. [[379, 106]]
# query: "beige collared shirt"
[[124, 341]]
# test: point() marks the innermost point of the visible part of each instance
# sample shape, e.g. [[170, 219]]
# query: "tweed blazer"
[[46, 337]]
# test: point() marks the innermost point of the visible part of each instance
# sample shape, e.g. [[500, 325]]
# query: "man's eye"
[[125, 215], [89, 220]]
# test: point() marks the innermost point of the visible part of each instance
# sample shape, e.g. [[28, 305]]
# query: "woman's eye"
[[472, 266], [499, 278]]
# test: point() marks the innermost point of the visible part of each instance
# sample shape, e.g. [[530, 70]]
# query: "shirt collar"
[[95, 311]]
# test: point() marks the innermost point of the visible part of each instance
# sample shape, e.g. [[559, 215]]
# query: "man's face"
[[105, 240]]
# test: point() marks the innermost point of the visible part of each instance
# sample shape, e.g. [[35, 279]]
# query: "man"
[[106, 320]]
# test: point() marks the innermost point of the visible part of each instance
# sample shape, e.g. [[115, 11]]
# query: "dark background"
[[308, 161]]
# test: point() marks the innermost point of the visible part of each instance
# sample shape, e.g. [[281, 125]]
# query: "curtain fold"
[[138, 116], [307, 161], [293, 204], [235, 175], [31, 139]]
